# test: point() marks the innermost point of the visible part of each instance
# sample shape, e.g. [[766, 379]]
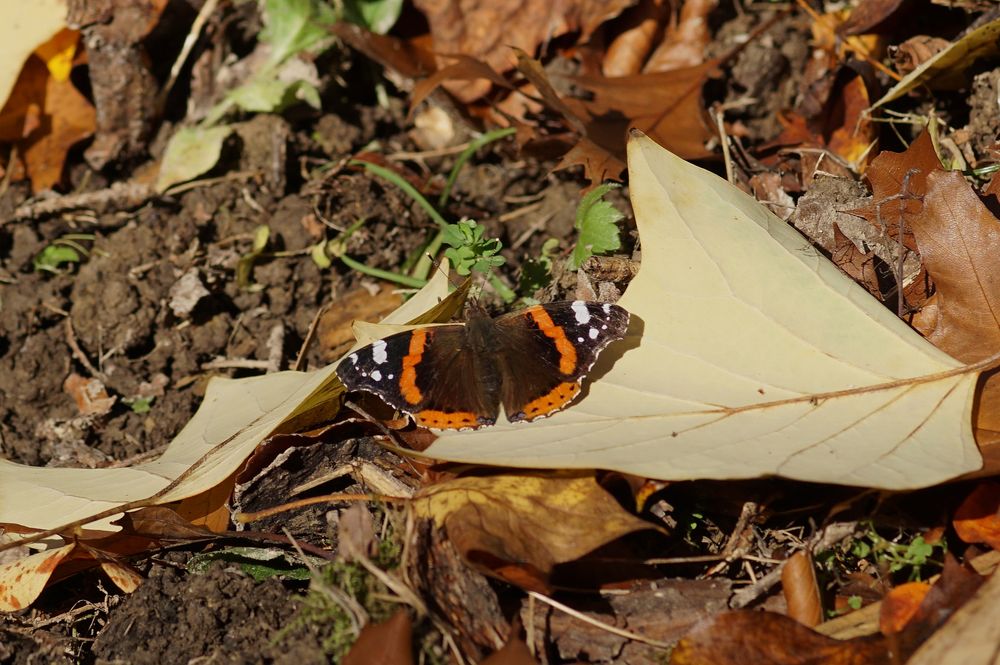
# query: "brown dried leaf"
[[859, 265], [90, 395], [886, 175], [801, 590], [666, 106], [403, 56], [598, 164], [756, 638], [915, 51], [514, 652], [977, 520], [386, 643], [161, 523], [867, 15], [485, 30], [959, 241], [465, 68], [684, 44], [899, 606], [640, 26], [518, 525]]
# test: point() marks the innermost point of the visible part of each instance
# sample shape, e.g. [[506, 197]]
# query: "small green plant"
[[537, 273], [900, 555], [66, 249], [468, 251], [260, 563], [597, 221], [140, 405], [244, 269]]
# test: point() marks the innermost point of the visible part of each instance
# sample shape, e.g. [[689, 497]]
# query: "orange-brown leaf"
[[977, 520], [386, 643], [514, 652], [801, 590], [959, 242], [867, 15], [485, 29], [899, 606], [639, 25], [759, 638], [685, 43]]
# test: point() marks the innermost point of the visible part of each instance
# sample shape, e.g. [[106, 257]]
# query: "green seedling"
[[597, 221], [468, 251], [896, 556], [140, 405], [467, 245], [244, 269], [65, 250], [376, 15], [537, 273]]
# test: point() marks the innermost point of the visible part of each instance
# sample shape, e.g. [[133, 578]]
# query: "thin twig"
[[657, 644], [189, 41], [310, 334]]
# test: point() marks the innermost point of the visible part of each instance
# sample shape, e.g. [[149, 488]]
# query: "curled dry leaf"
[[977, 520], [639, 25], [21, 581], [836, 388], [948, 68], [801, 590], [517, 526], [684, 43]]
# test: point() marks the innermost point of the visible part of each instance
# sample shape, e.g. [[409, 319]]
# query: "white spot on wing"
[[582, 314], [353, 358], [377, 375], [378, 352], [606, 307], [593, 333]]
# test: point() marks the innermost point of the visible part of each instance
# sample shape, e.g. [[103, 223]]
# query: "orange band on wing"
[[444, 420], [556, 399], [408, 378], [567, 352]]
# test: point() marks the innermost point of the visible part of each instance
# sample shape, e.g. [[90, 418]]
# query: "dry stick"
[[310, 334], [80, 355], [189, 41], [724, 142], [246, 518], [600, 624], [903, 196]]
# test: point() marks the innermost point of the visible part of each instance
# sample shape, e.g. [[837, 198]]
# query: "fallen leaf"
[[959, 241], [977, 520], [899, 606], [667, 106], [915, 51], [801, 590], [759, 638], [386, 643], [514, 652], [971, 634], [25, 27], [867, 15], [191, 152], [857, 264], [485, 30], [517, 526], [948, 67], [22, 581], [639, 26], [90, 395], [836, 388], [685, 43]]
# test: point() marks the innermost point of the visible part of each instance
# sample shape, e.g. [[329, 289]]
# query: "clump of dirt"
[[221, 615]]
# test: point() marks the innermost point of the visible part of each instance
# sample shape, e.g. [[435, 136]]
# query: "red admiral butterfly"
[[456, 376]]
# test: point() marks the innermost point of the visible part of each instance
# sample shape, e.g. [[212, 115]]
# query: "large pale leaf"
[[236, 415], [749, 355], [25, 26]]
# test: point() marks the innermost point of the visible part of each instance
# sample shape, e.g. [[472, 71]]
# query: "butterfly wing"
[[546, 350], [428, 373]]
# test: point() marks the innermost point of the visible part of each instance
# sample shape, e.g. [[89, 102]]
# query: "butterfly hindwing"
[[547, 351]]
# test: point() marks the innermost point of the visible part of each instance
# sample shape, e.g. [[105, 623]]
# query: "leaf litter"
[[591, 126]]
